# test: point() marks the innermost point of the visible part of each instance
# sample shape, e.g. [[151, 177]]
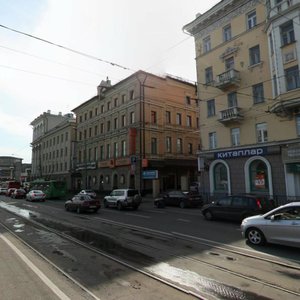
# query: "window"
[[261, 132], [227, 33], [131, 95], [197, 123], [254, 55], [153, 117], [66, 136], [190, 148], [275, 86], [108, 126], [251, 19], [211, 110], [108, 106], [271, 43], [101, 152], [235, 136], [102, 128], [116, 102], [132, 117], [178, 119], [91, 114], [123, 98], [96, 130], [209, 75], [188, 100], [90, 132], [206, 44], [189, 121], [96, 111], [287, 33], [108, 151], [220, 178], [259, 180], [232, 100], [168, 117], [123, 148], [298, 124], [102, 108], [229, 63], [116, 123], [169, 143], [292, 78], [179, 145], [258, 93], [116, 150], [95, 153], [212, 136], [123, 118], [153, 145]]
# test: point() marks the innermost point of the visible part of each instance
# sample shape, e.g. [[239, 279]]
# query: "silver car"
[[279, 226]]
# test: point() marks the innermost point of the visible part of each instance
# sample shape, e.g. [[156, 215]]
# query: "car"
[[10, 191], [35, 195], [19, 193], [123, 198], [278, 226], [237, 207], [178, 198], [82, 203], [90, 193], [3, 191]]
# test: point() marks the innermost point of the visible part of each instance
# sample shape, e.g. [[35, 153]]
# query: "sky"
[[124, 35]]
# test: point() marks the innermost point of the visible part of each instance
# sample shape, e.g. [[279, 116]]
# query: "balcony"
[[286, 108], [230, 78], [230, 115]]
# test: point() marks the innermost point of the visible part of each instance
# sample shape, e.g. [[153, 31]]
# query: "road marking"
[[184, 220], [36, 270], [140, 216]]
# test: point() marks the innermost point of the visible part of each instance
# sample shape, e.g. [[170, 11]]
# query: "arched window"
[[259, 178], [220, 178]]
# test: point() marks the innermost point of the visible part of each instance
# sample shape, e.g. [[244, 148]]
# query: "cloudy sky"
[[36, 76]]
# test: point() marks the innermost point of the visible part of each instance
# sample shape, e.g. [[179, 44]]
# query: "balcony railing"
[[231, 114], [228, 79]]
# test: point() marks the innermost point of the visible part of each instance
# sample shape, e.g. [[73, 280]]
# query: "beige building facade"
[[247, 56], [141, 132], [53, 147]]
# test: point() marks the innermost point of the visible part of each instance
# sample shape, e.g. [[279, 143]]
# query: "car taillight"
[[258, 203]]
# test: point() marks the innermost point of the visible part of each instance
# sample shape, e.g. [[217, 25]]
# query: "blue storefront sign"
[[150, 174], [241, 153]]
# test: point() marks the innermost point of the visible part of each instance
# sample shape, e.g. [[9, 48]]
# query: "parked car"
[[35, 195], [3, 191], [279, 226], [237, 207], [122, 198], [90, 193], [10, 191], [19, 193], [82, 203], [178, 198]]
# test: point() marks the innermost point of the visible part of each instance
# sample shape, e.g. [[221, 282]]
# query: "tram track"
[[148, 271]]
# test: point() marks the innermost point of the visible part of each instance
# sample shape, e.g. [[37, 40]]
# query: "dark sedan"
[[178, 198], [82, 203], [19, 193]]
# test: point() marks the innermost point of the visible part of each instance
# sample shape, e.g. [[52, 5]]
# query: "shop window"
[[220, 178], [259, 180]]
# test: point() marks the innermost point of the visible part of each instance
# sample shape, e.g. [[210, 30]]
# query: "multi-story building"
[[53, 147], [141, 132], [247, 70], [10, 168]]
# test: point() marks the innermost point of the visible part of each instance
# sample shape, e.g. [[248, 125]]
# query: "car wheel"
[[119, 206], [255, 236], [105, 204], [182, 204], [78, 210], [208, 215]]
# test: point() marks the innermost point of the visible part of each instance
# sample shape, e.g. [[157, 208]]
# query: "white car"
[[279, 226], [35, 195], [90, 193], [122, 198]]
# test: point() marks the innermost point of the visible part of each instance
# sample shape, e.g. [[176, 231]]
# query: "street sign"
[[133, 159], [150, 174]]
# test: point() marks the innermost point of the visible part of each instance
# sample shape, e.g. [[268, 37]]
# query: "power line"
[[66, 48]]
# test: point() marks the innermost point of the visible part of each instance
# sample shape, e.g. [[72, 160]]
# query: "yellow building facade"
[[247, 56]]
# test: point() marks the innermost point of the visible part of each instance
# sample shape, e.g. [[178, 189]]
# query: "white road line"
[[184, 220], [140, 216], [36, 270]]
